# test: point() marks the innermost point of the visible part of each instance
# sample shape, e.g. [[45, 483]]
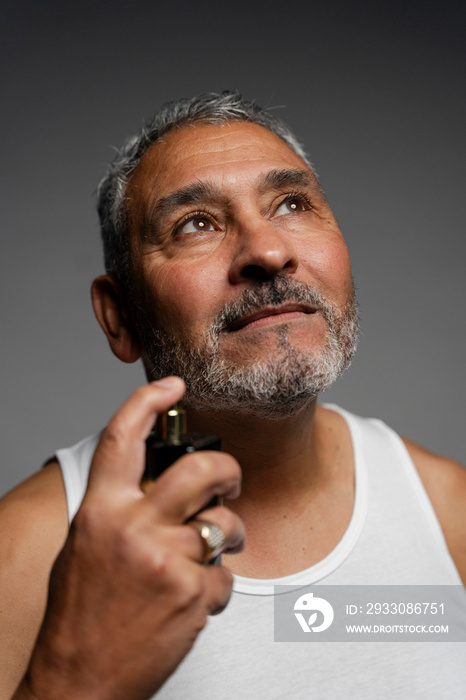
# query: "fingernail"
[[168, 382]]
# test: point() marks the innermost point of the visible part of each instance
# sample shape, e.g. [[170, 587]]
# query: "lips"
[[268, 312]]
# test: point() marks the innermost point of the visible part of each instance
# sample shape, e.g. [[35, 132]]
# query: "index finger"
[[120, 453]]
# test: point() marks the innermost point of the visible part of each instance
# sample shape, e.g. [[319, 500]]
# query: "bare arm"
[[131, 563], [445, 482], [33, 527]]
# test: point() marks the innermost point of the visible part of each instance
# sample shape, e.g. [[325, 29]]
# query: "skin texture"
[[297, 472], [188, 275]]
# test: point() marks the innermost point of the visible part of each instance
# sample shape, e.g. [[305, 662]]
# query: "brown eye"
[[195, 225], [291, 205]]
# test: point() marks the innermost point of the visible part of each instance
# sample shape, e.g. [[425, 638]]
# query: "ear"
[[113, 317]]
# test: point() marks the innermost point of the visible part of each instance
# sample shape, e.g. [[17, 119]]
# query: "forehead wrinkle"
[[201, 191]]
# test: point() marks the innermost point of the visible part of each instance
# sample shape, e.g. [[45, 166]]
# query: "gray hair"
[[210, 108]]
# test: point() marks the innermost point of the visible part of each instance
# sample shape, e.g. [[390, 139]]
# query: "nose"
[[263, 251]]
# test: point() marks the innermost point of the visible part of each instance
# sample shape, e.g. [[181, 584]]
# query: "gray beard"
[[274, 388]]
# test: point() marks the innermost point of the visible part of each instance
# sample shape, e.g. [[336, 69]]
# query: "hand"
[[128, 593]]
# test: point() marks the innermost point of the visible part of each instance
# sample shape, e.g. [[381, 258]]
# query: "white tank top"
[[393, 538]]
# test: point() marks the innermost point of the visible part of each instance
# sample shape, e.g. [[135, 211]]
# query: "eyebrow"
[[198, 192], [191, 194], [277, 179]]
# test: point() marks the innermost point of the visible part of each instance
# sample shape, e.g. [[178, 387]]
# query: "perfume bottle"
[[168, 441]]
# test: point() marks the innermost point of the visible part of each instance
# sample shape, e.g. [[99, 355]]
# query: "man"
[[226, 267]]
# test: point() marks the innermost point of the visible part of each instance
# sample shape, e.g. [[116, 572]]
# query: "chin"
[[283, 386]]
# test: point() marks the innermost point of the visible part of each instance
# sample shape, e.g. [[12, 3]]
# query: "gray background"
[[375, 90]]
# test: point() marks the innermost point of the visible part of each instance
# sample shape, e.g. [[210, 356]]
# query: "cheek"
[[185, 294], [330, 265]]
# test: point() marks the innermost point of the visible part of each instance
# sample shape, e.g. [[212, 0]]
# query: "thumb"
[[120, 454]]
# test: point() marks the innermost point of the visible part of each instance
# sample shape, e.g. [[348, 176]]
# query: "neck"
[[276, 456], [298, 486]]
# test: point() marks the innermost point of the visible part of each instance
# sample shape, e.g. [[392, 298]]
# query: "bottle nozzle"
[[176, 424]]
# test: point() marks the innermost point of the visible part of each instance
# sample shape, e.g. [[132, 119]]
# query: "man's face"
[[239, 269]]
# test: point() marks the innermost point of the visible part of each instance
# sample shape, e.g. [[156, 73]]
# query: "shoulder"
[[445, 483], [34, 526], [39, 499]]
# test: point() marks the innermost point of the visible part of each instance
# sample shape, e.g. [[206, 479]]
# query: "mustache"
[[274, 292]]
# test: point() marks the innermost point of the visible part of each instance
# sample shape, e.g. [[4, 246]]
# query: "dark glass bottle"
[[169, 441]]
